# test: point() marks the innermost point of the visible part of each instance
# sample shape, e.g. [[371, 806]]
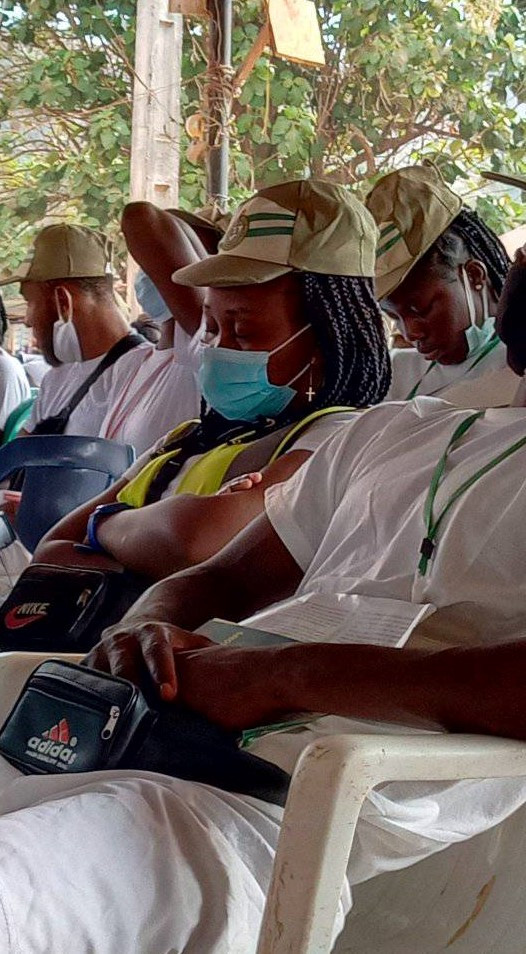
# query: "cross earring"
[[310, 393]]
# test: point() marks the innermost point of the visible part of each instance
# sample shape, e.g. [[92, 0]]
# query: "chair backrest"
[[17, 419], [60, 473]]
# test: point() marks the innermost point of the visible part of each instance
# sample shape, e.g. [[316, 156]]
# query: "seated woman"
[[291, 330], [171, 865], [440, 271]]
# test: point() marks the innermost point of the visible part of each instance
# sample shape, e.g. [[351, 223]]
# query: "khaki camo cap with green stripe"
[[412, 207], [306, 225], [64, 251]]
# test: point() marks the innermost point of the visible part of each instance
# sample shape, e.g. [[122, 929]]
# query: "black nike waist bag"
[[71, 719], [64, 609]]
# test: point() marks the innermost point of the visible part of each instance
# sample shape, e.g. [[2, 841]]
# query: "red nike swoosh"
[[12, 621]]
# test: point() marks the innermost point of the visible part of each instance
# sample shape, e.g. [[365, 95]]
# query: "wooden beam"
[[262, 40]]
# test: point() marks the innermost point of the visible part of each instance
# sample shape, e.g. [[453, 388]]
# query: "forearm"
[[471, 690], [73, 526], [177, 533], [190, 598], [253, 571]]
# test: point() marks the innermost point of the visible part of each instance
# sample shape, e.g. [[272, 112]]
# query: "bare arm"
[[182, 531], [254, 570], [160, 244], [72, 528], [480, 689]]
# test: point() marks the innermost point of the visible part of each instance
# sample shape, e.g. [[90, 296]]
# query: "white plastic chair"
[[468, 899]]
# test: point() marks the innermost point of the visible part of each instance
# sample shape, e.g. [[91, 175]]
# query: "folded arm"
[[160, 244], [180, 531]]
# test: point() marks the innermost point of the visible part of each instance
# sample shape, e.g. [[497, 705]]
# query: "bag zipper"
[[109, 728]]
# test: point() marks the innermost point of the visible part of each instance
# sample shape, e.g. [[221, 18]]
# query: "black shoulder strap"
[[56, 423], [120, 348]]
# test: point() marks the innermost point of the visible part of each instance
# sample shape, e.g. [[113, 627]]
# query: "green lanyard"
[[432, 525], [488, 347]]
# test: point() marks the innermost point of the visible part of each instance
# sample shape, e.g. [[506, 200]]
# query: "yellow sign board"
[[296, 31], [190, 8]]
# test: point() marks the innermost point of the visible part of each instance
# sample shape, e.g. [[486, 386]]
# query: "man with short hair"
[[68, 287]]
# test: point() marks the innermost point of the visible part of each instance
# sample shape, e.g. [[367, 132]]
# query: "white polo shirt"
[[410, 368], [352, 516], [14, 386]]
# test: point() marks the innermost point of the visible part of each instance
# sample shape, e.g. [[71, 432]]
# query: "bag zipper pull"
[[109, 728]]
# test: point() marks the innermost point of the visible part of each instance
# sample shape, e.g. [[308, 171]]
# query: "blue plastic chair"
[[60, 473]]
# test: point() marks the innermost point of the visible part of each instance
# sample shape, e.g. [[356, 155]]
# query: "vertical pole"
[[219, 98], [154, 163]]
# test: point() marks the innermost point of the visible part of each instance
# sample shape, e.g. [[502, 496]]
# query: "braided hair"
[[348, 325], [3, 321], [468, 234]]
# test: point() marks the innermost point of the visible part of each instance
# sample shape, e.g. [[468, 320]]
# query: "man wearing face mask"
[[440, 271], [68, 288]]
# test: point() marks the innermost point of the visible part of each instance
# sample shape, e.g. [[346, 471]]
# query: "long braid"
[[347, 322], [467, 233], [3, 320]]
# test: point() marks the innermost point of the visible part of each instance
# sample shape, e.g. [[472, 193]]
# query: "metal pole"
[[219, 98]]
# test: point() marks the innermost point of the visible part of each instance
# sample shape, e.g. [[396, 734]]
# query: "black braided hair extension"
[[348, 325], [347, 321], [468, 234], [3, 320]]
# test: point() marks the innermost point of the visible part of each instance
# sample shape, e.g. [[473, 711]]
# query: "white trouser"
[[137, 863]]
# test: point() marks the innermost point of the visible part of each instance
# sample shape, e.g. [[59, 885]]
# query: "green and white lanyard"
[[433, 523], [488, 347]]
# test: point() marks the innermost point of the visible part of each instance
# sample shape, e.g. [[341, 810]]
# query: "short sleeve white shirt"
[[14, 386], [409, 368], [352, 516]]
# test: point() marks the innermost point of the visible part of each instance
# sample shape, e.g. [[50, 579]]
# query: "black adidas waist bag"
[[72, 719], [64, 609]]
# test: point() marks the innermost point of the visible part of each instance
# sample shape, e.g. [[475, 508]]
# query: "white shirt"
[[352, 516], [60, 384], [409, 367], [14, 386], [148, 395], [194, 862]]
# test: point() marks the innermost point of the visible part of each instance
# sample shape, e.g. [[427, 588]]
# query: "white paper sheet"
[[338, 618]]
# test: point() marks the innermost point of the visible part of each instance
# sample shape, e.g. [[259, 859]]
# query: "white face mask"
[[66, 344], [477, 336]]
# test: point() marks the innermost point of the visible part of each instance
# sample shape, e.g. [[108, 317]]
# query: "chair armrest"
[[331, 781]]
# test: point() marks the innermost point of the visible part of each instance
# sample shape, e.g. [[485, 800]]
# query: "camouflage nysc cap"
[[411, 207], [308, 225], [210, 217], [64, 251]]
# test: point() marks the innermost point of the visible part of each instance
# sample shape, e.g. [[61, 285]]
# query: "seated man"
[[351, 521], [68, 288], [440, 271]]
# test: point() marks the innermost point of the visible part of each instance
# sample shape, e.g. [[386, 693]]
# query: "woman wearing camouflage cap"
[[440, 271], [291, 330]]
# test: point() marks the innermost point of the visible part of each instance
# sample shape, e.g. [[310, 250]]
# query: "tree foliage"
[[404, 80]]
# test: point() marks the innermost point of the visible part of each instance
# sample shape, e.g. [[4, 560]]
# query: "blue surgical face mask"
[[477, 336], [236, 385], [150, 301]]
